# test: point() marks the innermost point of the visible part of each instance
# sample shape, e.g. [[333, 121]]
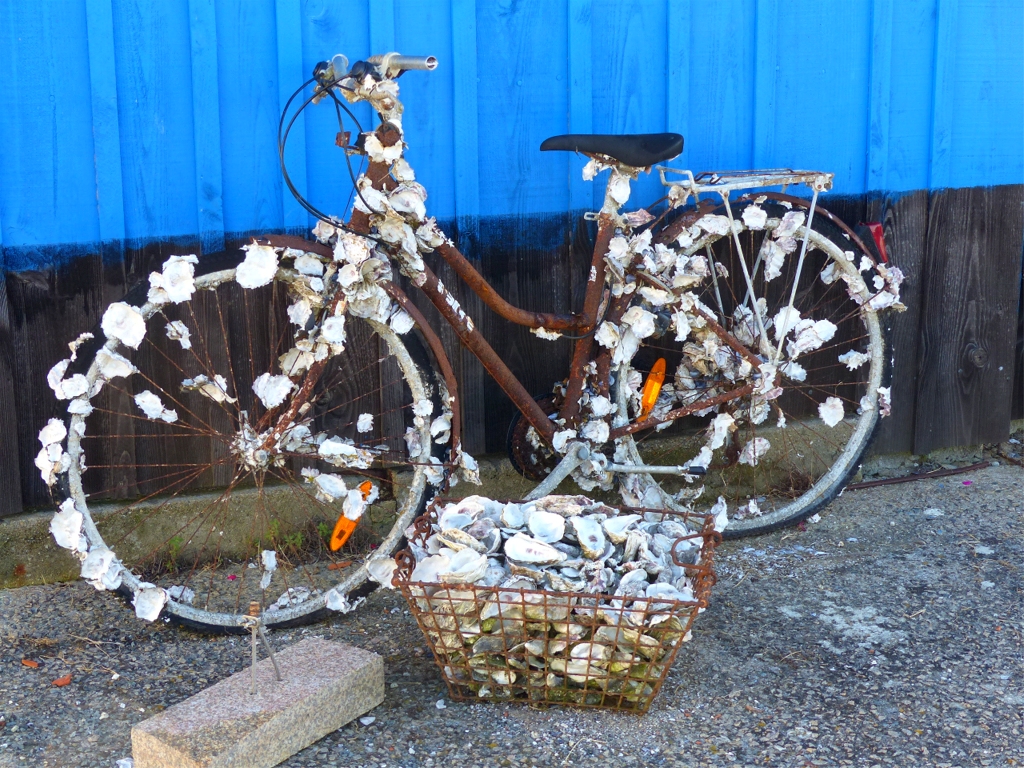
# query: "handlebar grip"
[[393, 64], [412, 62]]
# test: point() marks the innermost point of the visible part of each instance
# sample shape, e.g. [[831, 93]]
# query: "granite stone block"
[[324, 685]]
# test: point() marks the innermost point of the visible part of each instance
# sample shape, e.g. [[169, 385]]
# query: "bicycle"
[[728, 347]]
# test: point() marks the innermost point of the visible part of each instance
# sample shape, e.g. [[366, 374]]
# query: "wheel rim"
[[828, 468], [271, 490]]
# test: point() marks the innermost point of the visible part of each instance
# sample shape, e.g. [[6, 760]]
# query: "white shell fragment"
[[124, 323], [66, 389], [831, 411], [268, 558], [151, 405], [216, 388], [258, 268], [149, 601], [111, 365], [853, 359], [333, 330], [176, 283], [178, 331], [102, 569], [365, 422], [66, 527], [272, 390], [754, 450]]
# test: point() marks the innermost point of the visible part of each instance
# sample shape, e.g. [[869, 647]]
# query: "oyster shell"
[[566, 506], [430, 568], [546, 526], [615, 528], [466, 567], [526, 549], [590, 536], [512, 516]]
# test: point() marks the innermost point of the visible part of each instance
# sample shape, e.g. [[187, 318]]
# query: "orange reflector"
[[652, 388], [342, 530], [344, 527]]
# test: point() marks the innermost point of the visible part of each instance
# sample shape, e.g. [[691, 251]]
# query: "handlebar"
[[386, 65]]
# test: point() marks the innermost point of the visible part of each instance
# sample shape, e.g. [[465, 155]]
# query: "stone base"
[[324, 685]]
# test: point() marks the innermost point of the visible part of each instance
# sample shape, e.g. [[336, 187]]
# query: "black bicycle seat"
[[638, 150]]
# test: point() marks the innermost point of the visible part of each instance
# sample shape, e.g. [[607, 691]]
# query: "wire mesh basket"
[[549, 647]]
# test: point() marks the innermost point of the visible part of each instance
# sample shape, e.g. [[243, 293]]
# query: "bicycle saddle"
[[638, 150]]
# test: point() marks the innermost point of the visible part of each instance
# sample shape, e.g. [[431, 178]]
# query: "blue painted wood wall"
[[131, 129], [134, 120]]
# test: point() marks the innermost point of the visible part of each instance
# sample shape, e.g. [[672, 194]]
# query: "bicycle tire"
[[790, 487], [239, 333]]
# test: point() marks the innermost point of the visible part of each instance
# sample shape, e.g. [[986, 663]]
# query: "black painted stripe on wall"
[[959, 348]]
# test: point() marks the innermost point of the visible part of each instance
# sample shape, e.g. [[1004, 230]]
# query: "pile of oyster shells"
[[609, 602]]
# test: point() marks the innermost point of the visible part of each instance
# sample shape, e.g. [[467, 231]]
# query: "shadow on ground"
[[890, 633]]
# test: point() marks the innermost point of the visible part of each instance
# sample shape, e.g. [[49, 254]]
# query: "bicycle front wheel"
[[199, 496], [777, 457]]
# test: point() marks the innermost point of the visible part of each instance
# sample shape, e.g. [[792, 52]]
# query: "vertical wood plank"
[[467, 201], [289, 76], [465, 128], [581, 98], [723, 66], [382, 26], [677, 107], [879, 96], [206, 124], [971, 288], [1017, 404], [10, 479], [905, 219], [766, 56], [106, 129], [943, 93]]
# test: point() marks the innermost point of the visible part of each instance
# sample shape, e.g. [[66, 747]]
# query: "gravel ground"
[[889, 633]]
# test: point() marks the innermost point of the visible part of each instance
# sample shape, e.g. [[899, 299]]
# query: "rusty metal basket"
[[548, 647]]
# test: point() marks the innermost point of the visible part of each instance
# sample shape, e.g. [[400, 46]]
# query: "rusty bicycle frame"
[[598, 305]]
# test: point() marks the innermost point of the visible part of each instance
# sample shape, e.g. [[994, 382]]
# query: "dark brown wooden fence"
[[958, 377]]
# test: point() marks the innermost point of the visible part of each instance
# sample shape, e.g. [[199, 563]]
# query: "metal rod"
[[270, 652], [796, 278], [252, 661], [653, 469], [746, 272], [714, 279]]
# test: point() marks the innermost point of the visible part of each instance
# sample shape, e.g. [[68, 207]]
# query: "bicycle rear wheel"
[[781, 455], [198, 499]]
